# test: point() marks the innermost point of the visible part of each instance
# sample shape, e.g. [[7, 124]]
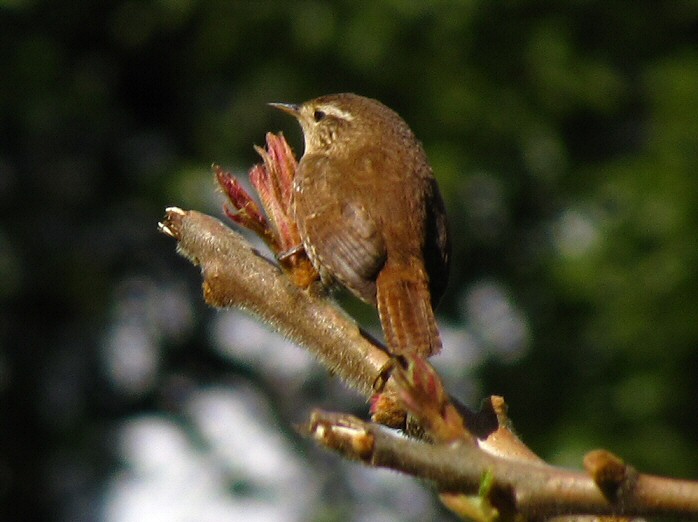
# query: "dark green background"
[[564, 136]]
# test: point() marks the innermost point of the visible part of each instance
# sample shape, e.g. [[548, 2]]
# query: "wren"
[[370, 214]]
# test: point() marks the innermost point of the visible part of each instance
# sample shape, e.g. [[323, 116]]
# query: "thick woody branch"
[[534, 490], [236, 275], [485, 449]]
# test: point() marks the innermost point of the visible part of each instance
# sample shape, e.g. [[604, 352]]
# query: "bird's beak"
[[289, 108]]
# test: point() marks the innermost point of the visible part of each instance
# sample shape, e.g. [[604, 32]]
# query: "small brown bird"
[[370, 214]]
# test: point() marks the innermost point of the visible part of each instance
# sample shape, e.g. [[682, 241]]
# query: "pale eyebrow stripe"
[[339, 113]]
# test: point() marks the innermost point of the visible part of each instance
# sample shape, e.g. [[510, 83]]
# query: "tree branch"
[[236, 275], [487, 459], [535, 490]]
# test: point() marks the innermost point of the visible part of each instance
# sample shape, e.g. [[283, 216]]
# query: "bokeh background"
[[565, 139]]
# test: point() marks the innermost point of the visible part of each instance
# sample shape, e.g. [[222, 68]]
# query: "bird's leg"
[[300, 269], [286, 254]]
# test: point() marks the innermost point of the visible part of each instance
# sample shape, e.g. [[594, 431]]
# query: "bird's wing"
[[338, 231]]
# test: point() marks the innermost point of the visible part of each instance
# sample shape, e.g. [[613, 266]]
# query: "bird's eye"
[[319, 115]]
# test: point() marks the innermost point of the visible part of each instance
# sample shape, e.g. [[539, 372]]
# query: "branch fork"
[[481, 469]]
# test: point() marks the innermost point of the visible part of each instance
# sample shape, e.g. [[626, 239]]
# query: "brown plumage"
[[370, 214]]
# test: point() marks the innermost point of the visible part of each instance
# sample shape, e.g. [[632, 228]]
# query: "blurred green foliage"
[[564, 135]]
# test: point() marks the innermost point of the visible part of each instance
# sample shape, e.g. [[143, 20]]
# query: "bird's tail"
[[405, 310]]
